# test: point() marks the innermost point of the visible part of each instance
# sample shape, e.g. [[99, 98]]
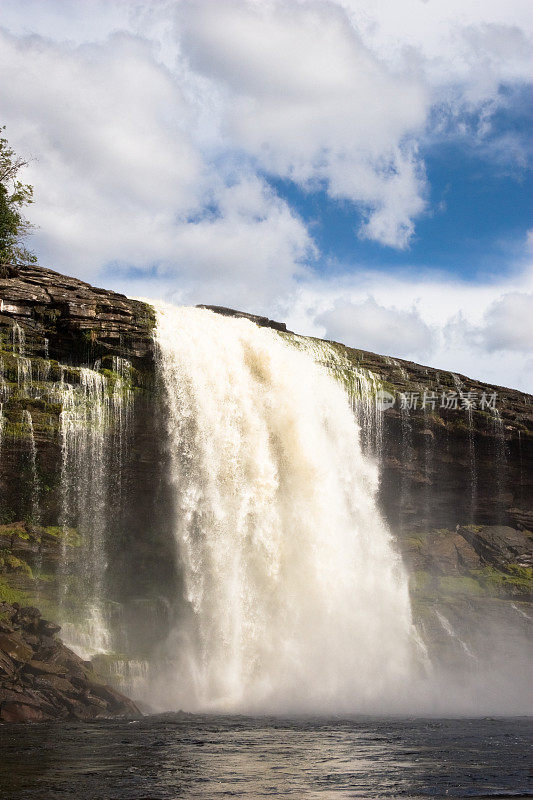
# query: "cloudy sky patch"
[[361, 169]]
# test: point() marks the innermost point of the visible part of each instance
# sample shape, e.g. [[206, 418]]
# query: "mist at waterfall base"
[[290, 595]]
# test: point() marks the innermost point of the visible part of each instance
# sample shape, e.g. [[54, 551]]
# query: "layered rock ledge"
[[75, 318], [41, 679]]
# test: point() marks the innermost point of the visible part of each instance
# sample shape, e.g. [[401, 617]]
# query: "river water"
[[197, 756]]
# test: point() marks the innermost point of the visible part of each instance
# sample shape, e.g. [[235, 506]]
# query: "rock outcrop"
[[494, 560], [41, 679], [76, 320], [263, 322]]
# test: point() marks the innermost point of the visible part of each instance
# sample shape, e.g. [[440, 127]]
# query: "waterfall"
[[428, 465], [92, 421], [361, 384], [131, 675], [473, 465], [122, 406], [448, 628], [459, 386], [18, 337], [27, 424], [500, 463], [84, 419], [521, 465], [407, 455], [392, 362], [25, 382], [291, 595], [365, 402]]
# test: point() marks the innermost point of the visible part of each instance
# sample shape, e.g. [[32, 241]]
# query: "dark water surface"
[[186, 756]]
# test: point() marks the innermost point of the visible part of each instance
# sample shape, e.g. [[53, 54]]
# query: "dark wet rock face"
[[470, 547], [41, 679], [489, 560]]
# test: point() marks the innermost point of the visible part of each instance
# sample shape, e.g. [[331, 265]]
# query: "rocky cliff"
[[81, 438], [67, 319]]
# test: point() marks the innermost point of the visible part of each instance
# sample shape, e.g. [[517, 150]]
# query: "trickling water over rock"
[[77, 418], [93, 428]]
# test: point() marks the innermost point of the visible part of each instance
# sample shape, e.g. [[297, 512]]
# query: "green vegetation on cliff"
[[516, 581], [14, 195]]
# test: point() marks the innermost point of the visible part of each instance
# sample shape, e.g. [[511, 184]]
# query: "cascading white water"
[[92, 426], [27, 425], [361, 385], [4, 394], [18, 338], [406, 504], [84, 422], [296, 597], [24, 374], [500, 461], [459, 387]]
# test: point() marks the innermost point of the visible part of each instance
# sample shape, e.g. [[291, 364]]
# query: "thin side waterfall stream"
[[295, 596], [93, 418]]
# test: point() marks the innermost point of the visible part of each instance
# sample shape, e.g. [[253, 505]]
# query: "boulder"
[[41, 667], [41, 679], [13, 646], [20, 712], [500, 545]]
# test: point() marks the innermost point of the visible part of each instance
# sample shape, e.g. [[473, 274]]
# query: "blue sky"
[[478, 216], [358, 168], [479, 207]]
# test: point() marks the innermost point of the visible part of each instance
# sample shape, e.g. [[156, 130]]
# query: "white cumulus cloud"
[[374, 327], [155, 129], [508, 324], [309, 102]]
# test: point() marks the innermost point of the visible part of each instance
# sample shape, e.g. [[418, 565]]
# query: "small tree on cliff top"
[[14, 195]]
